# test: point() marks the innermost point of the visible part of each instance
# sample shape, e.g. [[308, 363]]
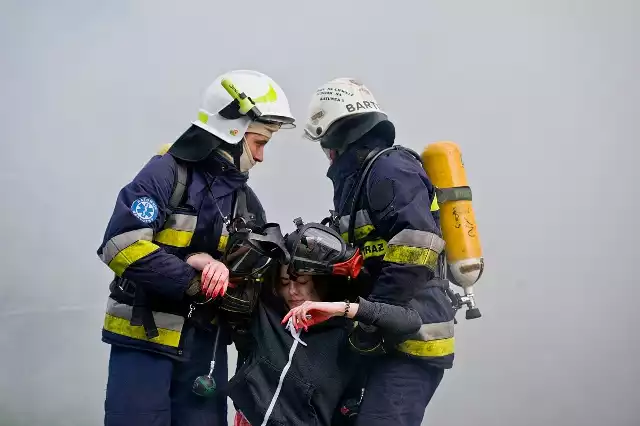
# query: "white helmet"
[[339, 98], [237, 98]]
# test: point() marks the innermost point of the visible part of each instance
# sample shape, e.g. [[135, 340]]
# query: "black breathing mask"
[[316, 249], [248, 255]]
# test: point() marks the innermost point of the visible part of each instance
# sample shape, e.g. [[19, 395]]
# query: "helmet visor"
[[316, 251]]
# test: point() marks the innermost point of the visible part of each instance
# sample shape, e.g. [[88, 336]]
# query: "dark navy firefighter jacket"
[[145, 243], [400, 240]]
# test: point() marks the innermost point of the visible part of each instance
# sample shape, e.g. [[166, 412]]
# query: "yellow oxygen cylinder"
[[443, 164]]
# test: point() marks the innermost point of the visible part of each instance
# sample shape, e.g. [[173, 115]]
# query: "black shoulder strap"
[[181, 176], [367, 164], [248, 207]]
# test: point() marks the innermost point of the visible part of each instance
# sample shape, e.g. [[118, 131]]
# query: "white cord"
[[296, 339]]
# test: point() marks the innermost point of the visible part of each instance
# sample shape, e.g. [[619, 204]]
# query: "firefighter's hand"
[[199, 260], [215, 279]]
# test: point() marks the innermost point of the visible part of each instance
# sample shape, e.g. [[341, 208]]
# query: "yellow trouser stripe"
[[173, 237], [122, 327], [132, 253], [431, 348]]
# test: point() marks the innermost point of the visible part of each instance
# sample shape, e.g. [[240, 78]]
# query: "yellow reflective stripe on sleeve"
[[363, 225], [417, 238], [178, 230], [124, 249], [415, 247], [431, 348], [172, 237], [359, 233], [374, 248], [122, 241], [434, 204], [131, 254], [411, 256], [431, 340]]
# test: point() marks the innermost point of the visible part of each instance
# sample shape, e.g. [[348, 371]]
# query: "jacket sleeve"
[[399, 197], [390, 318], [128, 249]]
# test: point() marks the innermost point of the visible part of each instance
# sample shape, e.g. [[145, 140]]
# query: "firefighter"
[[158, 320], [401, 242]]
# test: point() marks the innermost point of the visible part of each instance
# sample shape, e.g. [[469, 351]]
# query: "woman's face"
[[294, 292]]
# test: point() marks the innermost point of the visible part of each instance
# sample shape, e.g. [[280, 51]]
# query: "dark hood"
[[344, 169]]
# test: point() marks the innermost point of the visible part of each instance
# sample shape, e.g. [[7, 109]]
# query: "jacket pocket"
[[254, 386]]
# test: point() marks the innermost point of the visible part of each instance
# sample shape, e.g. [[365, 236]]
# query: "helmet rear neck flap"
[[351, 129]]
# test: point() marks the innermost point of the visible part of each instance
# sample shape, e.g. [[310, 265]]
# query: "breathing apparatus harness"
[[457, 301]]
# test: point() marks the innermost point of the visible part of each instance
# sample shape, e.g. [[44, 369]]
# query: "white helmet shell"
[[339, 98], [265, 93]]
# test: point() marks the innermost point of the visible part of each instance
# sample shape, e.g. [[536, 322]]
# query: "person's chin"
[[295, 303]]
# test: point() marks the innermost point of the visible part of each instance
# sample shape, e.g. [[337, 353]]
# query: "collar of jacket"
[[218, 172]]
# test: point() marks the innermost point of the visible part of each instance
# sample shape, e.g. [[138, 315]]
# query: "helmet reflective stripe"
[[334, 100], [266, 94]]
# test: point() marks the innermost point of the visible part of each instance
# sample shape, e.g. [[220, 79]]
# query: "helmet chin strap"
[[239, 155], [241, 152], [246, 158]]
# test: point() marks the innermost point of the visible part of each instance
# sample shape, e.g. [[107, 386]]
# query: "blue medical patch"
[[145, 209]]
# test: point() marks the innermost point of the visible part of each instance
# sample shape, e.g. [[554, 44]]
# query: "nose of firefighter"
[[258, 154]]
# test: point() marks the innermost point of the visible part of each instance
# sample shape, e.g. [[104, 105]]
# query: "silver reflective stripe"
[[420, 239], [362, 219], [434, 331], [162, 319], [121, 241], [182, 222]]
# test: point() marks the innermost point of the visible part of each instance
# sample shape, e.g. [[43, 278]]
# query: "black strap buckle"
[[142, 315]]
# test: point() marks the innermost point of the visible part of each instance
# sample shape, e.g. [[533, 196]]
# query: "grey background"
[[542, 96]]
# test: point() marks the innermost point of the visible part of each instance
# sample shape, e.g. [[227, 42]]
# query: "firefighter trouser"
[[146, 389], [397, 392]]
